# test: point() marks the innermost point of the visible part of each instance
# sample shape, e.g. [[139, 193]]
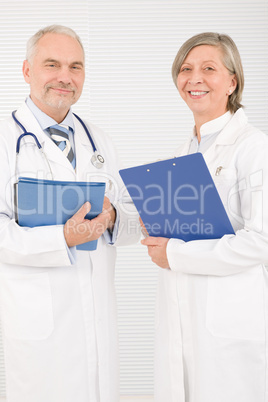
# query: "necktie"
[[60, 135]]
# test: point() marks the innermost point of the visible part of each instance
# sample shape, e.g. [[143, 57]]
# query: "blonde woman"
[[212, 320]]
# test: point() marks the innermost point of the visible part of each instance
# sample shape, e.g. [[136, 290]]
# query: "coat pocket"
[[26, 304], [226, 183], [235, 306]]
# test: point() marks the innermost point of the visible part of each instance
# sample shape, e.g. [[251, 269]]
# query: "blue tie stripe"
[[60, 135]]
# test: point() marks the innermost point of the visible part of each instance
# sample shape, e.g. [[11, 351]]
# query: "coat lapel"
[[227, 136], [83, 149], [84, 152]]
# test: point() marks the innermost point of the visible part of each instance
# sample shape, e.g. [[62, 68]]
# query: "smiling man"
[[56, 74], [58, 309]]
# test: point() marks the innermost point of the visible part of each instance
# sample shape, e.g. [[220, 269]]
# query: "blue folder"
[[50, 202], [177, 198]]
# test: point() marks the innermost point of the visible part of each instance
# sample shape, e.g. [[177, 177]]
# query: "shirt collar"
[[214, 126], [46, 121]]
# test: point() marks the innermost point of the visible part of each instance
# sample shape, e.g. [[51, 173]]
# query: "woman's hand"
[[157, 250]]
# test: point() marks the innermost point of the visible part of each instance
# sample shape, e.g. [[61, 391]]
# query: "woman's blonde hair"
[[231, 60]]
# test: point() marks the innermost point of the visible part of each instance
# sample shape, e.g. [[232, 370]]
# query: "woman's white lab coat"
[[212, 315], [58, 318]]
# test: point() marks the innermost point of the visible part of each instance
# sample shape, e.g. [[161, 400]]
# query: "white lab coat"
[[212, 307], [58, 319]]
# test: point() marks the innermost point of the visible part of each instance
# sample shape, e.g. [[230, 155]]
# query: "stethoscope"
[[97, 160]]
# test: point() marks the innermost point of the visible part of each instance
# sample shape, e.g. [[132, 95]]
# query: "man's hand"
[[157, 247], [78, 230]]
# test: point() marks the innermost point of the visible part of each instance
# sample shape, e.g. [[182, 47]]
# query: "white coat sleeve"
[[37, 247], [249, 246]]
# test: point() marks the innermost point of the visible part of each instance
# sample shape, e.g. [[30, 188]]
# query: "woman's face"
[[204, 83]]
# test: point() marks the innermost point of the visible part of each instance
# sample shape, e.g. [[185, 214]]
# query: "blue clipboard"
[[51, 202], [177, 198]]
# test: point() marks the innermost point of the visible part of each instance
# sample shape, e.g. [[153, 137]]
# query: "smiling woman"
[[226, 55], [212, 319], [205, 83]]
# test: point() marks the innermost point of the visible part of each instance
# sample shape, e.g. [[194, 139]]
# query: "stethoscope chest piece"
[[97, 160]]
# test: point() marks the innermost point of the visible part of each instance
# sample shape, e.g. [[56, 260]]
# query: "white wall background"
[[130, 47]]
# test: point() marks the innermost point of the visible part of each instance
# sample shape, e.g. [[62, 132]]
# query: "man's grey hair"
[[56, 29]]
